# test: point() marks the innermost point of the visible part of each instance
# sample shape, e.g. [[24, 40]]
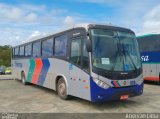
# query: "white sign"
[[105, 61]]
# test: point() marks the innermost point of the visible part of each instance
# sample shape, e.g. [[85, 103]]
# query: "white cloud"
[[131, 14], [20, 13], [11, 36], [14, 13], [31, 17], [21, 23], [151, 23], [69, 21], [9, 13], [35, 33], [24, 21], [17, 37]]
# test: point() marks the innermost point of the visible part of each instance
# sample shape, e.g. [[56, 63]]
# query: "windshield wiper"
[[115, 61], [117, 54], [132, 61]]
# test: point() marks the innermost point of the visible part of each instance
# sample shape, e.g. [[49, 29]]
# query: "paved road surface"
[[15, 97]]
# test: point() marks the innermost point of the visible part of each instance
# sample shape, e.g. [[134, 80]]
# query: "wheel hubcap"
[[62, 88], [23, 80]]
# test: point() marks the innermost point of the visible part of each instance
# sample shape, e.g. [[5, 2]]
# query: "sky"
[[21, 20]]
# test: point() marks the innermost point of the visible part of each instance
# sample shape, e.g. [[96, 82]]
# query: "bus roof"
[[82, 25], [147, 35]]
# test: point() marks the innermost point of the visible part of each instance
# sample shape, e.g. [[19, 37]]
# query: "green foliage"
[[5, 55]]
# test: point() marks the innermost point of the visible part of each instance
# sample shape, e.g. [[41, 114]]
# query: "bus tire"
[[159, 82], [159, 79], [62, 89], [23, 78]]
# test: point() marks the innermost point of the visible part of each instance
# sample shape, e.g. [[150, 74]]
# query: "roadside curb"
[[6, 77]]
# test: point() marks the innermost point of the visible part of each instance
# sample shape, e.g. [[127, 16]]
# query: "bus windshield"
[[114, 50]]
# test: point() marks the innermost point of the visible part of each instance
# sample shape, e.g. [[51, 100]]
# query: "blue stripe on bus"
[[44, 71], [150, 57]]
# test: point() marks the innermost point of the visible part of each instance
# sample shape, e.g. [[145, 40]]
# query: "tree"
[[5, 55]]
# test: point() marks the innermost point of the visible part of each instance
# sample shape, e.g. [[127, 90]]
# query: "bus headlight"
[[139, 81], [101, 83]]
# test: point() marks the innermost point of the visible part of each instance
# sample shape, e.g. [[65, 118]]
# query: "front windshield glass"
[[114, 50]]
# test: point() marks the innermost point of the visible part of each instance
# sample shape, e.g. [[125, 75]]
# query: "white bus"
[[95, 62], [150, 55]]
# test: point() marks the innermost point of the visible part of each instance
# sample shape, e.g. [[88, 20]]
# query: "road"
[[15, 97]]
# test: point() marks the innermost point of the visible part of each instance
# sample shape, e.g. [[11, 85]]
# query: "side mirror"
[[88, 44]]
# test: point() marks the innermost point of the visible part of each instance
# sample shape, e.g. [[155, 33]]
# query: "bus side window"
[[21, 52], [60, 48], [47, 47], [16, 51], [13, 52], [28, 49], [76, 51], [37, 49]]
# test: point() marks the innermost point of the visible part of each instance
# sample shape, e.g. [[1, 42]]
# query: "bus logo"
[[124, 83], [145, 58]]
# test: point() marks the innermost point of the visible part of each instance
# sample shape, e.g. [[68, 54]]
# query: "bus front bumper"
[[99, 94]]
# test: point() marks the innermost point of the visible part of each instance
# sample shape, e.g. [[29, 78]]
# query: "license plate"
[[124, 97]]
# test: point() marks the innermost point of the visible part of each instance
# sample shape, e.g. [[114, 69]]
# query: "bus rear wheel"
[[23, 78], [62, 89], [159, 79]]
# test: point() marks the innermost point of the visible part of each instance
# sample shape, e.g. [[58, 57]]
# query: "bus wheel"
[[159, 79], [62, 89], [159, 82], [23, 78]]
